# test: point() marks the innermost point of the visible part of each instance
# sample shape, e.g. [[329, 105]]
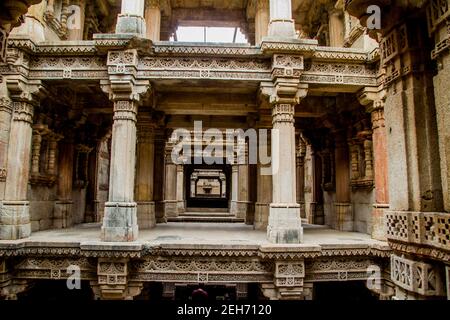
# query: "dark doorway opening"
[[208, 185]]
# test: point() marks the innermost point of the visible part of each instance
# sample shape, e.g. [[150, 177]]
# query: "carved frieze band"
[[70, 67]]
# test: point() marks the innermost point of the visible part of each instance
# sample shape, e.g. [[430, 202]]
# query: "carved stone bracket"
[[113, 282], [288, 279]]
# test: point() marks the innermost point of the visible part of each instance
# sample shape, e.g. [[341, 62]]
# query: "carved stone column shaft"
[[14, 215], [120, 221], [284, 220]]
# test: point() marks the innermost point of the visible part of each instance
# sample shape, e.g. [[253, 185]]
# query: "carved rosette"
[[283, 113]]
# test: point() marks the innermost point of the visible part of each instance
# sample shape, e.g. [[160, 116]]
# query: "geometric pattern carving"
[[202, 270], [112, 272], [424, 228], [336, 269], [289, 274], [415, 276]]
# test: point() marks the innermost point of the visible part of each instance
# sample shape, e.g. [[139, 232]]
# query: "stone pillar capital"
[[286, 91], [119, 90]]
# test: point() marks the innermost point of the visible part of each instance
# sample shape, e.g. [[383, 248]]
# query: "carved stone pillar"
[[374, 103], [62, 216], [120, 220], [131, 19], [14, 213], [336, 27], [170, 184], [158, 189], [262, 19], [181, 204], [264, 191], [285, 225], [410, 113], [300, 170], [240, 183], [234, 189], [281, 23], [153, 19], [380, 171], [316, 206], [5, 127], [343, 207], [145, 163]]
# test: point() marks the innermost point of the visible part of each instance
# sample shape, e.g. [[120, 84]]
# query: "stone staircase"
[[202, 215]]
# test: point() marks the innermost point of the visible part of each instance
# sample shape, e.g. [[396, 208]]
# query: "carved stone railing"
[[431, 229], [417, 277]]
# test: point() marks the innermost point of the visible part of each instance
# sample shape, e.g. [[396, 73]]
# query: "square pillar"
[[62, 216], [153, 19], [285, 225], [145, 163], [262, 19], [281, 23], [131, 19], [120, 220], [181, 204], [170, 184], [343, 209]]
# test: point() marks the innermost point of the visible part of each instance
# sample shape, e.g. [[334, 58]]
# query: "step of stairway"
[[209, 218], [207, 214]]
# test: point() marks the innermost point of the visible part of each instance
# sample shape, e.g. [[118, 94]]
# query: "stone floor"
[[201, 234]]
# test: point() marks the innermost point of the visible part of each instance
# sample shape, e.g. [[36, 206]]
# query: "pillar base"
[[344, 216], [170, 208], [62, 214], [14, 220], [282, 28], [120, 222], [239, 209], [128, 23], [181, 207], [146, 215], [285, 225], [261, 216]]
